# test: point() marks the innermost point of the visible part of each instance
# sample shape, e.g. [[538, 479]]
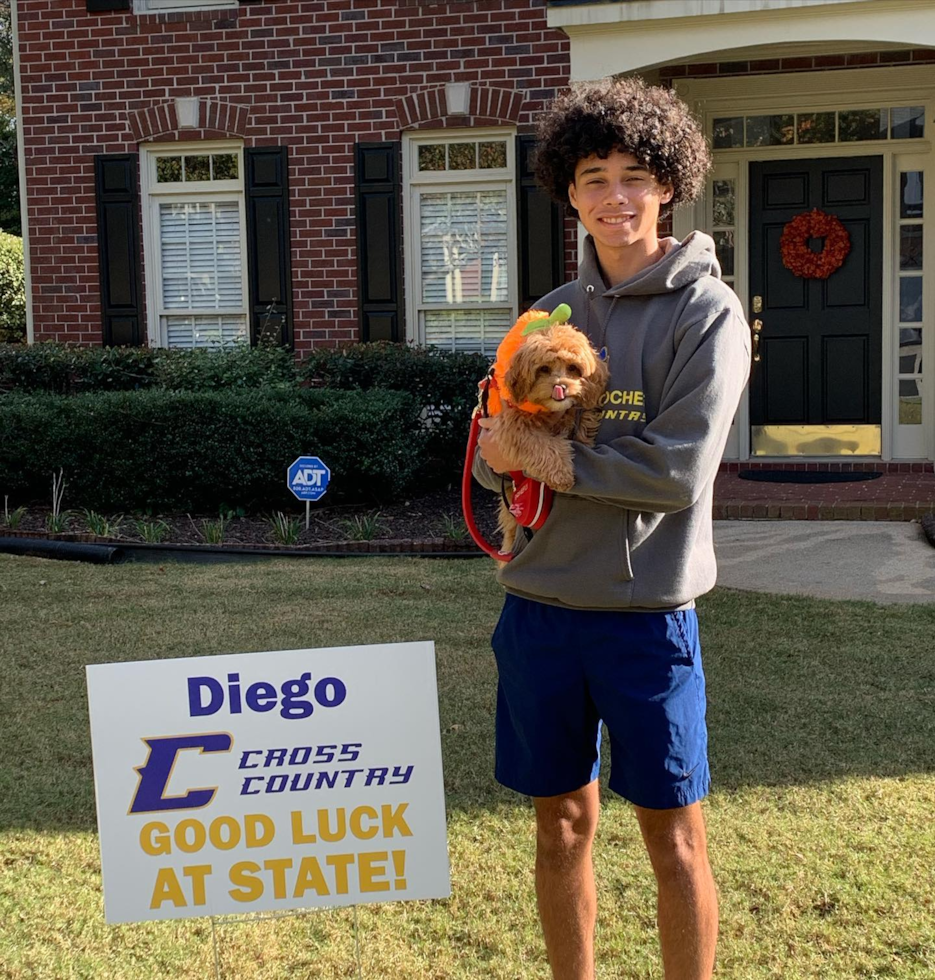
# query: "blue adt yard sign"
[[308, 478]]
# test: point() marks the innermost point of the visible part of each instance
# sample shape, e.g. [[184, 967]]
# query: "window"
[[844, 126], [461, 237], [195, 247], [178, 6], [909, 297]]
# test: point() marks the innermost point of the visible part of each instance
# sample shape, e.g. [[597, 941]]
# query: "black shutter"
[[118, 237], [379, 252], [269, 252], [98, 6], [541, 232]]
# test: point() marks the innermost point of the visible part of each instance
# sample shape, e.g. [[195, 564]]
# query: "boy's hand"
[[491, 452]]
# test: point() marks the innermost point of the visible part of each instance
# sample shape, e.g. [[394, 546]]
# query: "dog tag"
[[603, 354]]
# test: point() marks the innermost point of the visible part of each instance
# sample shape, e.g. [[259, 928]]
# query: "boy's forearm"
[[667, 466]]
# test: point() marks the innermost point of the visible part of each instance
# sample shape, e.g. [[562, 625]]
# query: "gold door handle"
[[757, 327]]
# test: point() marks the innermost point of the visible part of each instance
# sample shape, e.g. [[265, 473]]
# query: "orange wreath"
[[799, 259]]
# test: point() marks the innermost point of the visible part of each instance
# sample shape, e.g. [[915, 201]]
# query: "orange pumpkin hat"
[[529, 322]]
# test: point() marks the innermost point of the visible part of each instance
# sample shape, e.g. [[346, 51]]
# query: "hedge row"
[[199, 451], [444, 383], [67, 369]]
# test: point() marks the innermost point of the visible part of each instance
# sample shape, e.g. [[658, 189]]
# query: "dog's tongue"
[[558, 393]]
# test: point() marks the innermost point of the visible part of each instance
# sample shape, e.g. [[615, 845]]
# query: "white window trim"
[[153, 194], [180, 6], [415, 182], [910, 441], [817, 91]]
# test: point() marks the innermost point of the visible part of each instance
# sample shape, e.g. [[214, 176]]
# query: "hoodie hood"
[[683, 263]]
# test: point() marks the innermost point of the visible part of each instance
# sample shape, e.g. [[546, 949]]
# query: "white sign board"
[[268, 781]]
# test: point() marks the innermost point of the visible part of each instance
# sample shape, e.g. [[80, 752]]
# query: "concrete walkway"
[[882, 561]]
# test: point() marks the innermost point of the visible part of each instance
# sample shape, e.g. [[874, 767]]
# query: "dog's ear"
[[594, 381], [521, 375]]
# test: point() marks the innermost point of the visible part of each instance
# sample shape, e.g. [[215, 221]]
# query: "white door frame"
[[804, 92]]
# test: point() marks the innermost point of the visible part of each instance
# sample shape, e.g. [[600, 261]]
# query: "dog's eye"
[[574, 370], [545, 369]]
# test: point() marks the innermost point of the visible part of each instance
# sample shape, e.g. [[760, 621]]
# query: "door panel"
[[820, 340]]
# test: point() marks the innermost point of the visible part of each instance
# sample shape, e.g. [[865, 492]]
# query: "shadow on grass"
[[799, 690]]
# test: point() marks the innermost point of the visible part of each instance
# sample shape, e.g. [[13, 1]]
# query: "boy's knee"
[[565, 827]]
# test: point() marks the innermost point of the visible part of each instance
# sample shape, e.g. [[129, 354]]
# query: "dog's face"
[[557, 369]]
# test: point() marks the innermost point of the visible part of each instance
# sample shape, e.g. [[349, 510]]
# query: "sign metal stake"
[[308, 510]]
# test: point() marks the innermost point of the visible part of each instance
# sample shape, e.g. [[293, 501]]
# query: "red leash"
[[466, 507], [532, 500]]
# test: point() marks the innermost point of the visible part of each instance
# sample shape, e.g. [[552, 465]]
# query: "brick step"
[[894, 496], [810, 510], [730, 466]]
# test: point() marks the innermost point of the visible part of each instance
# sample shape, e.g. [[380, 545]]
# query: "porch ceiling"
[[618, 47]]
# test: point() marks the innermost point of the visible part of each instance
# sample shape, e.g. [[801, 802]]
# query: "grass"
[[453, 528], [285, 530], [822, 750], [363, 527], [102, 526], [152, 532], [213, 531]]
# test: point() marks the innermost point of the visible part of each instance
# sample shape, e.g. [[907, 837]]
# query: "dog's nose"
[[558, 393]]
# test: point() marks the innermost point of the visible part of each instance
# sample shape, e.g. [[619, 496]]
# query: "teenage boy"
[[599, 619]]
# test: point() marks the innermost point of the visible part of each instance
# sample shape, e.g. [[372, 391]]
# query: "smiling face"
[[617, 200]]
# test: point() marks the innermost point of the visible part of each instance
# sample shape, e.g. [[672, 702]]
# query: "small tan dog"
[[554, 384]]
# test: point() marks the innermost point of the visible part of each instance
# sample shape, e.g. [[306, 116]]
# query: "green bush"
[[12, 290], [68, 369], [162, 450], [444, 383]]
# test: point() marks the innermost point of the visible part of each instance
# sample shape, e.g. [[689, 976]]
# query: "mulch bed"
[[433, 521]]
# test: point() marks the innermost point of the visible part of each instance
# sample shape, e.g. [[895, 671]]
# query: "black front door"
[[816, 388]]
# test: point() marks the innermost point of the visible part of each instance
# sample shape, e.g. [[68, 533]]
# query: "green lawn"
[[822, 722]]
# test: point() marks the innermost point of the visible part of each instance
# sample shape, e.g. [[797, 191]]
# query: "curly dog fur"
[[540, 442]]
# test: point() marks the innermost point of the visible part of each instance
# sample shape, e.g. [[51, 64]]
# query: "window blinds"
[[202, 270], [464, 247]]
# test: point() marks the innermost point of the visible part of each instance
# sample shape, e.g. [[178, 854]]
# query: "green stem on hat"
[[560, 314]]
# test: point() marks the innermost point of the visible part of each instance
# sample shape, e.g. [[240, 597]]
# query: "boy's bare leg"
[[565, 827], [687, 911]]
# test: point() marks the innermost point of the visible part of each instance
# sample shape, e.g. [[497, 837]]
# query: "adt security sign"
[[308, 478]]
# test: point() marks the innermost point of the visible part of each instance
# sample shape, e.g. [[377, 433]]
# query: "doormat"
[[805, 476]]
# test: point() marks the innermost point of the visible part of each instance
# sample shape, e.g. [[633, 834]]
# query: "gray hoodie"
[[635, 530]]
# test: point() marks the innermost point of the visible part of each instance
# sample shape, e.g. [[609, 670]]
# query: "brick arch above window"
[[205, 115], [485, 106]]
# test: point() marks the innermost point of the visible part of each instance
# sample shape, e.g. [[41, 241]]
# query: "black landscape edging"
[[134, 551], [97, 554]]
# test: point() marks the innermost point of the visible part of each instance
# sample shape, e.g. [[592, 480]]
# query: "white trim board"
[[604, 44], [21, 167]]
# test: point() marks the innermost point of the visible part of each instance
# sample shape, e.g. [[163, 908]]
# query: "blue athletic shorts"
[[564, 670]]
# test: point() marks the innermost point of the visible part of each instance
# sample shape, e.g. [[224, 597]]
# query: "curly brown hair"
[[596, 118]]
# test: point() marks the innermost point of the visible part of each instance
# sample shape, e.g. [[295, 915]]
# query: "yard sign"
[[268, 781]]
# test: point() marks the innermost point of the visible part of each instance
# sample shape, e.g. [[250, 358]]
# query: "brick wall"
[[318, 75]]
